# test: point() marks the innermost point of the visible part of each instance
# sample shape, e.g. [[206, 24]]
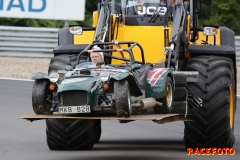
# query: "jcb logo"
[[151, 9]]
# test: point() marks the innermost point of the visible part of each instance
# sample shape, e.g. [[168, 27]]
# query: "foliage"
[[214, 12], [222, 13]]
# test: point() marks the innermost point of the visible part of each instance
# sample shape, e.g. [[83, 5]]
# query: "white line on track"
[[15, 79]]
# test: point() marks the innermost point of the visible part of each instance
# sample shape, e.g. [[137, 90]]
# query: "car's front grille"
[[73, 98]]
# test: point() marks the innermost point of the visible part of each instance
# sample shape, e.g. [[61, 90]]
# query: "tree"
[[222, 13], [214, 12]]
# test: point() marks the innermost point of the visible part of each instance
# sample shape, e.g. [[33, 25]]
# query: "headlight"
[[54, 77], [210, 31], [76, 30], [104, 76]]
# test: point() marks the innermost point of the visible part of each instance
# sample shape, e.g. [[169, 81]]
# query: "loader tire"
[[97, 129], [40, 93], [213, 124], [69, 134], [122, 98]]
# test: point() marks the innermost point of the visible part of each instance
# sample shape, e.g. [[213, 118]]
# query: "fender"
[[134, 89], [39, 75], [156, 82], [211, 49], [120, 76]]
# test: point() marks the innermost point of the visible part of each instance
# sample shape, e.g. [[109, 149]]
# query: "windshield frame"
[[116, 5]]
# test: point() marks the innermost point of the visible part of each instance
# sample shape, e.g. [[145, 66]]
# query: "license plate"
[[75, 109]]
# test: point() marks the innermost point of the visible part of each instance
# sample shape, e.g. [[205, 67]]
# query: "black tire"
[[180, 107], [53, 131], [180, 94], [180, 80], [122, 98], [40, 94], [167, 100], [69, 134], [211, 125], [97, 129]]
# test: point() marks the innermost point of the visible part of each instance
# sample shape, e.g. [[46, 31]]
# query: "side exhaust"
[[146, 103]]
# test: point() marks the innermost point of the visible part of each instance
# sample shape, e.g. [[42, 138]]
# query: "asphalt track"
[[138, 140]]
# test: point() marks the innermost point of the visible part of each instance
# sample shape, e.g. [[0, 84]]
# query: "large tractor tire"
[[97, 129], [122, 98], [40, 94], [213, 124], [70, 134]]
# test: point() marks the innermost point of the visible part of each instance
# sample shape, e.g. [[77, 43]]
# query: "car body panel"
[[92, 84], [156, 82], [39, 75]]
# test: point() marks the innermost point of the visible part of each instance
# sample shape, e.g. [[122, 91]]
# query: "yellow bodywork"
[[88, 35], [85, 38], [151, 38], [201, 37]]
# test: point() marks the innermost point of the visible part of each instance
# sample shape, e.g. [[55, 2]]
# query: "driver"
[[96, 56]]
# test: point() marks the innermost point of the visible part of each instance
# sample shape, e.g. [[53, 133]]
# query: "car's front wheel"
[[122, 98], [40, 94]]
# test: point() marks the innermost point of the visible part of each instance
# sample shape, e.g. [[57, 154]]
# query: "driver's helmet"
[[97, 48]]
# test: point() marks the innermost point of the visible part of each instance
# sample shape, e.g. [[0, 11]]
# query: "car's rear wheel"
[[40, 94], [167, 100], [70, 134], [122, 98]]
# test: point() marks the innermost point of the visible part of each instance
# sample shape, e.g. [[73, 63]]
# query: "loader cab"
[[142, 12]]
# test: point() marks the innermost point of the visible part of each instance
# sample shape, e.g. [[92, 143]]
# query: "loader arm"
[[102, 26], [177, 29]]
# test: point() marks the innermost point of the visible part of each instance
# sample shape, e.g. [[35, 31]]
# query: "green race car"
[[89, 89]]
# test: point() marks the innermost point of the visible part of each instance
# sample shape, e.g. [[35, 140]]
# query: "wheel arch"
[[39, 76], [134, 88]]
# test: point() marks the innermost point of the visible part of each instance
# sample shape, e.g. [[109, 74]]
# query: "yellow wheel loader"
[[202, 61]]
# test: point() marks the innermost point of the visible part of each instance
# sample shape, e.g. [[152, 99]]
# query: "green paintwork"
[[68, 68], [156, 81], [39, 75], [157, 89], [120, 76], [135, 66], [83, 83]]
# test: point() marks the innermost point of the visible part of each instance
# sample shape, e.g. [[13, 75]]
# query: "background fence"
[[39, 42], [27, 41]]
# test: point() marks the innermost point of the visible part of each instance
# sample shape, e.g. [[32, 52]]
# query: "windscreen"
[[140, 7]]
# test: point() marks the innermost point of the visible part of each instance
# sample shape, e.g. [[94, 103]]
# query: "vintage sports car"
[[122, 88]]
